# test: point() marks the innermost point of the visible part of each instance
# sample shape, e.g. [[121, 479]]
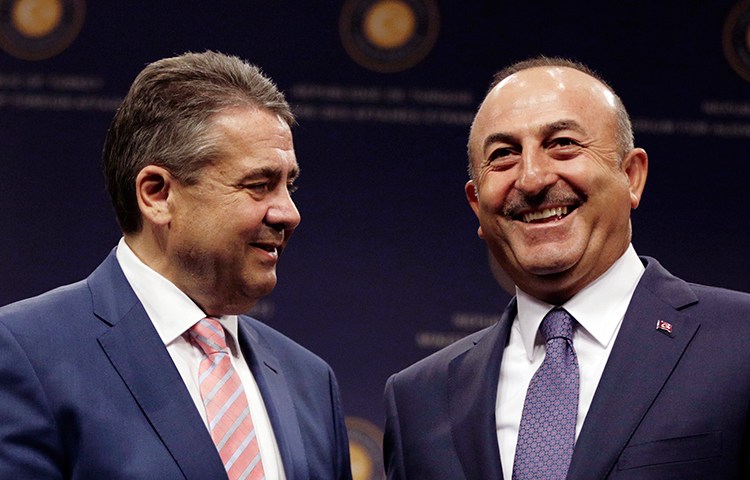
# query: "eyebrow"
[[294, 173], [272, 172], [545, 130], [560, 125], [498, 138]]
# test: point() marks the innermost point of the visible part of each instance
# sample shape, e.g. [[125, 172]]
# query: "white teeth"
[[546, 213], [269, 249]]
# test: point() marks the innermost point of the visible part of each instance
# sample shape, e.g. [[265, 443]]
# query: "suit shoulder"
[[720, 299], [724, 294], [681, 294], [61, 299], [436, 364]]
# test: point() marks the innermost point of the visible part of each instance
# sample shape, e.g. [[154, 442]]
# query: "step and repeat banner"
[[386, 266]]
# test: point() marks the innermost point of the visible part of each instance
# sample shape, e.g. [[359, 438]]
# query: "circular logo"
[[736, 39], [365, 441], [39, 29], [389, 35]]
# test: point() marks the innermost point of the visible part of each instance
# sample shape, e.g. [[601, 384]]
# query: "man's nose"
[[283, 213], [535, 173]]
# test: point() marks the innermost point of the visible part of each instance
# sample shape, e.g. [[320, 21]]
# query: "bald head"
[[554, 178], [532, 80]]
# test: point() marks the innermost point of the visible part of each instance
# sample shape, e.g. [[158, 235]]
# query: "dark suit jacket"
[[88, 391], [667, 406]]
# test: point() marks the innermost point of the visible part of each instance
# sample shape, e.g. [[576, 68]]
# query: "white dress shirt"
[[173, 313], [599, 310]]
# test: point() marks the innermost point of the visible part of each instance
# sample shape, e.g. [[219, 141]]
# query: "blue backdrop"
[[386, 266]]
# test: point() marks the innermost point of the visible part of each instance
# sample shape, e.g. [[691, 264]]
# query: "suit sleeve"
[[343, 462], [29, 446], [393, 458]]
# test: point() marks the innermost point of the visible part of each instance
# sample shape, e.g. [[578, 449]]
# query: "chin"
[[550, 260], [547, 269], [544, 270], [257, 289]]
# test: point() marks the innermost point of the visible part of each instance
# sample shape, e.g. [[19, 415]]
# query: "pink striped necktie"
[[227, 411]]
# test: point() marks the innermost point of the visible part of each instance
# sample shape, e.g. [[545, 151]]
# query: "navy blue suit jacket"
[[88, 390], [667, 406]]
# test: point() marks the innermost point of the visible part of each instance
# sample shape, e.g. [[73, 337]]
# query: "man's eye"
[[257, 187], [291, 188], [563, 142], [501, 153], [502, 158]]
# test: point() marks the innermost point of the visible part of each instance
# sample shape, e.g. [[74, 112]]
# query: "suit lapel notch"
[[648, 348], [272, 365], [472, 391], [277, 398], [142, 361]]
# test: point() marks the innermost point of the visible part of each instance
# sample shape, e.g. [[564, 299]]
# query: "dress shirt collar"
[[170, 310], [598, 308]]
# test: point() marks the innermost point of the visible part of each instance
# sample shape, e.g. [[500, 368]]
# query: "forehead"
[[543, 95], [252, 135], [250, 125]]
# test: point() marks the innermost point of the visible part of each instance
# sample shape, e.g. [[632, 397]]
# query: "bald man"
[[603, 365]]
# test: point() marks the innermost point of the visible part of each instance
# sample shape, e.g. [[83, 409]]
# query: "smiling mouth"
[[272, 249], [545, 215]]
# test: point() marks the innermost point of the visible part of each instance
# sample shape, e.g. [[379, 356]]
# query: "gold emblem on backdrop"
[[736, 39], [39, 29], [365, 449], [389, 35]]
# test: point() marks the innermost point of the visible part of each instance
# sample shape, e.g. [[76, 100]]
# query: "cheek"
[[240, 213], [493, 189], [249, 217], [613, 207], [617, 188]]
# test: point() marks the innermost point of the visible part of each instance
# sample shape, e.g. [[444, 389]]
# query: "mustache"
[[271, 237], [518, 202]]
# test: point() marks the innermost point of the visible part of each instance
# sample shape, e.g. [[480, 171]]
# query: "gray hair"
[[165, 120]]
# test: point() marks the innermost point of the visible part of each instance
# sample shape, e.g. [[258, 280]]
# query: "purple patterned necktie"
[[548, 425]]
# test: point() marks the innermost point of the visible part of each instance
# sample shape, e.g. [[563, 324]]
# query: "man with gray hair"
[[603, 365], [150, 368]]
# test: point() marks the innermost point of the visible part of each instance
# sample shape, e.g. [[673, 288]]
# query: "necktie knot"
[[209, 335], [558, 323]]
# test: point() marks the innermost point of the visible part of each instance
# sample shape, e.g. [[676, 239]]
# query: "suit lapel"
[[641, 361], [277, 398], [472, 390], [140, 358]]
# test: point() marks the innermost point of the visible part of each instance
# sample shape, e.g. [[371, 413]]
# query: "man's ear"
[[152, 189], [635, 166], [472, 195]]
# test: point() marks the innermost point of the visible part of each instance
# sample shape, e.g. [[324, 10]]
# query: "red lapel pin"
[[663, 326]]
